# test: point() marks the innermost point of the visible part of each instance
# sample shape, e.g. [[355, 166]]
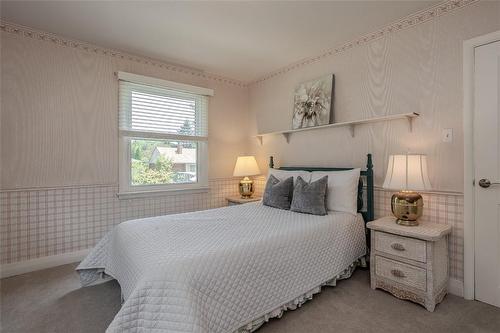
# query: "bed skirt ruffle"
[[298, 301]]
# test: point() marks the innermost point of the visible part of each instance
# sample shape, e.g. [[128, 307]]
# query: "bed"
[[228, 269]]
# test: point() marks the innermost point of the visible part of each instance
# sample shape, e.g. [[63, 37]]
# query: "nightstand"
[[410, 262], [238, 200]]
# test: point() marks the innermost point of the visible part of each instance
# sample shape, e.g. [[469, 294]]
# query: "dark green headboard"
[[368, 215]]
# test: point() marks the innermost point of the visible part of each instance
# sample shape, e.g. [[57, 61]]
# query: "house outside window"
[[163, 135]]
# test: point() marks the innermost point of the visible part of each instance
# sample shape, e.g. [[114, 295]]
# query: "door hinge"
[[473, 182]]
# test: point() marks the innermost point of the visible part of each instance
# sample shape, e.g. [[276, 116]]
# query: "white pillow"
[[284, 174], [342, 192]]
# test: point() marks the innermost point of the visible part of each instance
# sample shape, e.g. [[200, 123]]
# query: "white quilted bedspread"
[[219, 269]]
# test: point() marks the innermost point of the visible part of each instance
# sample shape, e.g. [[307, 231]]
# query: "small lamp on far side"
[[246, 166]]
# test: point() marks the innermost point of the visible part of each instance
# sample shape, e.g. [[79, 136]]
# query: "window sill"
[[158, 193]]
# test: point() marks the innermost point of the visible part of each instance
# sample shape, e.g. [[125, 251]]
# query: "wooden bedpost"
[[369, 189], [271, 162]]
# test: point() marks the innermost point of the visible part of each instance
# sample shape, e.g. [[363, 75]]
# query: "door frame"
[[468, 127]]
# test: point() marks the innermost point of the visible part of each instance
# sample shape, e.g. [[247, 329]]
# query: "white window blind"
[[163, 129], [158, 112]]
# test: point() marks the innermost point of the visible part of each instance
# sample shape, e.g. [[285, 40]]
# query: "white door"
[[487, 172]]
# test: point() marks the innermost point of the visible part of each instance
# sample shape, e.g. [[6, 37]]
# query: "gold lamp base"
[[407, 207], [246, 188]]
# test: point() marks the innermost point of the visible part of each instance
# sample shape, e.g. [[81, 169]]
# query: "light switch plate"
[[447, 135]]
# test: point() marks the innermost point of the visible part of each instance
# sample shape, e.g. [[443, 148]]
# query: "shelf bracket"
[[287, 137], [410, 123], [259, 138], [351, 129]]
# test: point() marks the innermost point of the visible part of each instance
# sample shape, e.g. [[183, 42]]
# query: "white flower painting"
[[313, 103]]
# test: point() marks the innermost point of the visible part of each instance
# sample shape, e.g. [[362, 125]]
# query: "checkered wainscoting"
[[44, 222], [438, 208]]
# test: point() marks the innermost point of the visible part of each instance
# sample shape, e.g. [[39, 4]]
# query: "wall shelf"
[[351, 124]]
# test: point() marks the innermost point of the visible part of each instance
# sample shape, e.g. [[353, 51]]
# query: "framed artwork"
[[313, 102]]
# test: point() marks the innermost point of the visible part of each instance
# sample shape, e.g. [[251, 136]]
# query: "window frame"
[[126, 189]]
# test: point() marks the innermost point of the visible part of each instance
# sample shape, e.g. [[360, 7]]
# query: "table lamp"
[[407, 174], [246, 166]]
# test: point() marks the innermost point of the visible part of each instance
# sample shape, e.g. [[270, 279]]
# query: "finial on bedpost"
[[271, 162], [369, 163], [370, 187]]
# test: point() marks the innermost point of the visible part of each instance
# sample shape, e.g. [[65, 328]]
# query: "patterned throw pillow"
[[310, 198], [278, 193]]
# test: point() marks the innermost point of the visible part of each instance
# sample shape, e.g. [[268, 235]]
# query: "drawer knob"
[[398, 247], [398, 273]]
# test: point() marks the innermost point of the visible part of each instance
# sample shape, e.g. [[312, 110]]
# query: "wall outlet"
[[447, 135]]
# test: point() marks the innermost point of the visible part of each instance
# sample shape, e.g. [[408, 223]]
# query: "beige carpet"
[[52, 301]]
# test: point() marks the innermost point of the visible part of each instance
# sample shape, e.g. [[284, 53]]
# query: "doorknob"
[[486, 183]]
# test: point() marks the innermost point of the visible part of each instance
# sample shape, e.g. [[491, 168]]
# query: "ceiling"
[[239, 40]]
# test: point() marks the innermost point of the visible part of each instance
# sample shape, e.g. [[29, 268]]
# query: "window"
[[163, 135]]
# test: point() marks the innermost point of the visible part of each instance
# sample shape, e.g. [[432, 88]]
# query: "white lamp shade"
[[246, 166], [407, 172]]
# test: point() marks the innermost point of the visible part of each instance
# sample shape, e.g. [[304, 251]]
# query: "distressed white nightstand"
[[410, 262], [238, 200]]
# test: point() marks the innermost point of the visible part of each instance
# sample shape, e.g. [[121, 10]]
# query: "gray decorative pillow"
[[310, 198], [278, 193]]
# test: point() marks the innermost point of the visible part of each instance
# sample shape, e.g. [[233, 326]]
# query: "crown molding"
[[401, 24], [409, 21], [27, 32]]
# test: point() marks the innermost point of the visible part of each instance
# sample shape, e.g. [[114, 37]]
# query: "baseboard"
[[27, 266], [456, 287]]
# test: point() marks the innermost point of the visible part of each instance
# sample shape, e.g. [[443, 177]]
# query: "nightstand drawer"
[[410, 248], [405, 274]]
